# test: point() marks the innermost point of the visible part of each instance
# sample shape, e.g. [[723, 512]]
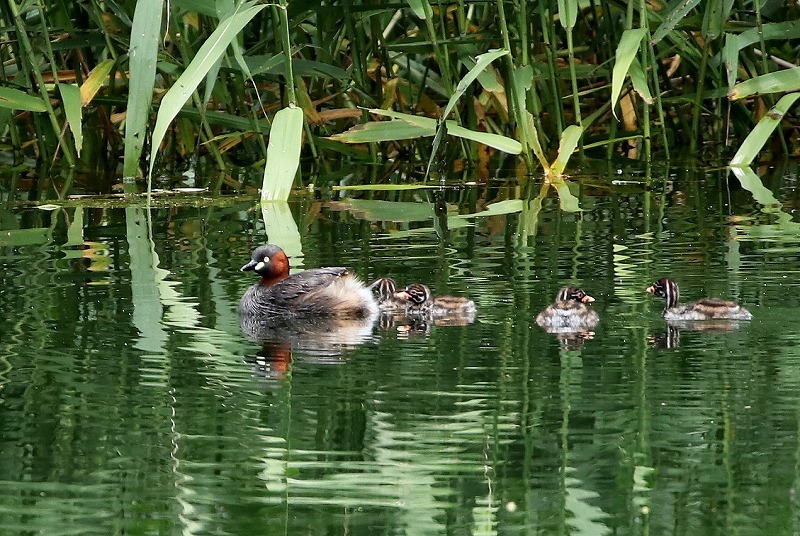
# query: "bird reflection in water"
[[671, 337], [319, 340]]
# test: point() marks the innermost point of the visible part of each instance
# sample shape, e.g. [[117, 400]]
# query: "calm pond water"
[[132, 402]]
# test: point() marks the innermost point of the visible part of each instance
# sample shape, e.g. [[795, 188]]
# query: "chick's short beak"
[[587, 299], [650, 289]]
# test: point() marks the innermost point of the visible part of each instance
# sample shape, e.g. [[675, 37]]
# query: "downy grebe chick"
[[388, 300], [419, 301], [705, 309], [569, 312], [320, 292]]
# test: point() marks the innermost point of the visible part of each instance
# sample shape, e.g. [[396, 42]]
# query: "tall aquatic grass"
[[170, 93]]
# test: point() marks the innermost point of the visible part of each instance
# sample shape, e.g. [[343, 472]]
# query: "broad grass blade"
[[415, 126], [496, 141], [19, 100], [627, 50], [143, 54], [568, 13], [569, 140], [755, 141], [283, 154], [779, 81], [378, 131], [205, 59], [71, 99]]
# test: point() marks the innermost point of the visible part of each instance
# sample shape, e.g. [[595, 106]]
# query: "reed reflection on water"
[[133, 399]]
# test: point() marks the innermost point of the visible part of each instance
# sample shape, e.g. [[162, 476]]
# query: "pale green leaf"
[[486, 78], [774, 30], [626, 52], [496, 141], [71, 99], [415, 126], [639, 80], [145, 39], [779, 81], [508, 206], [378, 131], [568, 13], [417, 120], [569, 140], [375, 210], [760, 134], [283, 154], [730, 56], [417, 7], [15, 99]]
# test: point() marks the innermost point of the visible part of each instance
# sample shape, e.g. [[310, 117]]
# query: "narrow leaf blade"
[[626, 52], [19, 100], [759, 136], [71, 99]]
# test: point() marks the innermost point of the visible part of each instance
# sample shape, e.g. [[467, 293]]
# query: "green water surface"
[[131, 402]]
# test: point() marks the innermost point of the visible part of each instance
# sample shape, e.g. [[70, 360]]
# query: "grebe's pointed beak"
[[249, 267]]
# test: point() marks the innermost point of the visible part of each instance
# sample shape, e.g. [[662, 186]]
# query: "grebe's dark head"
[[270, 262]]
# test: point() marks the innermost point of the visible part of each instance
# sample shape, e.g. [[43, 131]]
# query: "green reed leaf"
[[283, 154], [417, 7], [751, 182], [143, 54], [481, 62], [779, 81], [569, 141], [71, 99], [568, 13], [409, 126], [496, 141], [15, 99], [378, 131], [759, 136], [627, 50], [639, 80]]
